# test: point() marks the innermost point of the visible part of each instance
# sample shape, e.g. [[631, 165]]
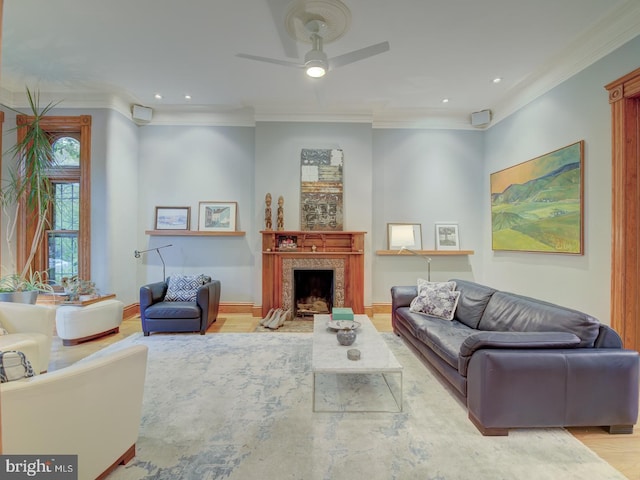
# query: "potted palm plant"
[[28, 188]]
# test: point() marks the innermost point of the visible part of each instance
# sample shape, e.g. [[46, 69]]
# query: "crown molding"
[[433, 119], [202, 115], [612, 32]]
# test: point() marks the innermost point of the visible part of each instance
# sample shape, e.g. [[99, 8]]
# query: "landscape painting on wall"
[[537, 206]]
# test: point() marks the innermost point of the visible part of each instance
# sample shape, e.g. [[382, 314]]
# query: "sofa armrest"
[[208, 299], [401, 296], [511, 341], [509, 388], [152, 293], [91, 409]]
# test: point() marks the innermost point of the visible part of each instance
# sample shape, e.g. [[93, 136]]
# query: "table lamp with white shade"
[[403, 236]]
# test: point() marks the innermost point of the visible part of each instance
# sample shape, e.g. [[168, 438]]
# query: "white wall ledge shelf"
[[193, 233], [428, 253]]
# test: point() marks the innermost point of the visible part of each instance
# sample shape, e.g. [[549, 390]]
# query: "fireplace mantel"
[[315, 248]]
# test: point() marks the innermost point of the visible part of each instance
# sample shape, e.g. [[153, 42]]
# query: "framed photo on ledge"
[[287, 242], [217, 216], [447, 236], [173, 218]]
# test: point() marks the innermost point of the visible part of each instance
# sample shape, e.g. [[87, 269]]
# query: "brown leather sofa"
[[521, 363]]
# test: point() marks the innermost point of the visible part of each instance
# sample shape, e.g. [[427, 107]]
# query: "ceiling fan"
[[316, 30]]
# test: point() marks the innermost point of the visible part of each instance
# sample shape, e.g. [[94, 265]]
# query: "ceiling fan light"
[[315, 63], [315, 69]]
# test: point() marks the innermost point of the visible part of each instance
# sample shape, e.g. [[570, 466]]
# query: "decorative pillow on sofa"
[[422, 283], [184, 288], [436, 301], [14, 366]]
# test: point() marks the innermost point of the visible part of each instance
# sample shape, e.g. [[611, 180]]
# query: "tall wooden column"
[[624, 97]]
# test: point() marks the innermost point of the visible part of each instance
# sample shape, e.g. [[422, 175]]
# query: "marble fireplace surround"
[[289, 265]]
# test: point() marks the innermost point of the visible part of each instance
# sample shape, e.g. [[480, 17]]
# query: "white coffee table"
[[330, 358]]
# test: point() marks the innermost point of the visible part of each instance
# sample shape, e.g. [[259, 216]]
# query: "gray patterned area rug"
[[239, 406]]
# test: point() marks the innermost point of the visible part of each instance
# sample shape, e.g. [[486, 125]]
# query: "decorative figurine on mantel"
[[280, 213], [267, 212]]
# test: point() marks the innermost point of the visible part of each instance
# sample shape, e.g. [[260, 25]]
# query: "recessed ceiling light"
[[445, 100], [187, 97], [157, 96], [497, 80]]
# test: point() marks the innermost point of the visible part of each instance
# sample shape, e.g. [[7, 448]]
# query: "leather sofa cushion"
[[413, 321], [472, 302], [507, 312], [173, 310], [444, 338]]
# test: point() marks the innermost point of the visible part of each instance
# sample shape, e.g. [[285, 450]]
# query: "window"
[[66, 245], [62, 238]]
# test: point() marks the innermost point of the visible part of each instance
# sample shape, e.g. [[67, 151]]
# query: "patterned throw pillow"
[[184, 288], [436, 301], [422, 283], [14, 366]]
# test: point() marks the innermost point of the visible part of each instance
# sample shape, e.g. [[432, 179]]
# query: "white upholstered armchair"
[[91, 409], [30, 330]]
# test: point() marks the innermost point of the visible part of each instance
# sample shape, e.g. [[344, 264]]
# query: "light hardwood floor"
[[621, 451]]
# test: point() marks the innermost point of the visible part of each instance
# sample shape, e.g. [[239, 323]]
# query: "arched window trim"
[[68, 126]]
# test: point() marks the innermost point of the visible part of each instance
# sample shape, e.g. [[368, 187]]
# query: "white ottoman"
[[76, 324]]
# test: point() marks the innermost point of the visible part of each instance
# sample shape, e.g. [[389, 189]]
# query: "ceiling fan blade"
[[357, 55], [278, 12], [286, 63]]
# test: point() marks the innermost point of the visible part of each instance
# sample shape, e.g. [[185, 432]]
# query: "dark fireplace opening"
[[312, 292]]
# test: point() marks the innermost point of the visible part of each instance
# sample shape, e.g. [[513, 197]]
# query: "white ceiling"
[[118, 52]]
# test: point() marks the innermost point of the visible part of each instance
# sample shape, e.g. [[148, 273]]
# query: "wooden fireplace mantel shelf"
[[193, 233], [430, 253], [340, 251], [307, 253]]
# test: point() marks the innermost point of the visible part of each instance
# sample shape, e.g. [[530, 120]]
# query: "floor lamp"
[[136, 253], [402, 236], [428, 259]]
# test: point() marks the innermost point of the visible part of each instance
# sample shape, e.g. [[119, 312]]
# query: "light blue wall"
[[119, 187], [182, 166], [578, 109], [278, 147], [426, 177]]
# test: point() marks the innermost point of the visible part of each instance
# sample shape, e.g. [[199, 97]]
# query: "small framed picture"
[[287, 242], [173, 218], [217, 216], [407, 235], [447, 236]]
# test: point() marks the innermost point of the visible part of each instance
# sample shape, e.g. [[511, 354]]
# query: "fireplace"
[[340, 253], [312, 292]]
